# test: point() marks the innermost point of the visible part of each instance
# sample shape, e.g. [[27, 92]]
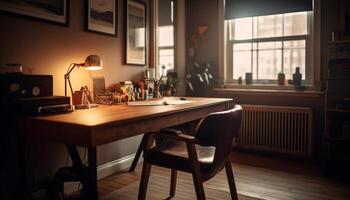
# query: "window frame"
[[174, 47], [309, 68]]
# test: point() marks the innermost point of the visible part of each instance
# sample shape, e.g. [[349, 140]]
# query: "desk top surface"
[[104, 124], [105, 114]]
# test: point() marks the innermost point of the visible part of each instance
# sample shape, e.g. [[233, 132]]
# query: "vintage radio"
[[16, 85], [43, 105], [30, 94]]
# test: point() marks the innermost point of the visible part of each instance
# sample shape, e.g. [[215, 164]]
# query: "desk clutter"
[[125, 91]]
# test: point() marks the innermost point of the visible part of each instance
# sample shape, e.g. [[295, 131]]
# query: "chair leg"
[[231, 180], [138, 153], [173, 182], [146, 170], [198, 185]]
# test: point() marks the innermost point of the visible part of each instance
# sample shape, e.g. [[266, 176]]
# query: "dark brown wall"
[[203, 13], [46, 48]]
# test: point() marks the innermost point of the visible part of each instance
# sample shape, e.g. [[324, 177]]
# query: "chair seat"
[[174, 155]]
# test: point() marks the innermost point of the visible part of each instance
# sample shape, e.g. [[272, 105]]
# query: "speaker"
[[15, 85]]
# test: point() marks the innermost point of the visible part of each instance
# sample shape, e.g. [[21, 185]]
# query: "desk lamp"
[[92, 63]]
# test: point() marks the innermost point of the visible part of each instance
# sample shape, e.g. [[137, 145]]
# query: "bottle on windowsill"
[[297, 77]]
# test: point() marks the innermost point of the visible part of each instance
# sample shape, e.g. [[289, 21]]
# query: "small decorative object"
[[77, 98], [82, 99], [103, 98], [92, 62], [248, 78], [240, 80], [51, 11], [135, 33], [297, 77], [281, 78], [149, 90], [102, 17], [157, 85]]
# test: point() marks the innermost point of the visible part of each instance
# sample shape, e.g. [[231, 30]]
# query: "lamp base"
[[85, 106]]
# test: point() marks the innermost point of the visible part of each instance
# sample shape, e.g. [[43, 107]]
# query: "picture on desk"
[[150, 85]]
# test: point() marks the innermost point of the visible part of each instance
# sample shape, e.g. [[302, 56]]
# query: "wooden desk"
[[104, 124]]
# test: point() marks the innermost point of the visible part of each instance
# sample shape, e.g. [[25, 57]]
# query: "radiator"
[[286, 130]]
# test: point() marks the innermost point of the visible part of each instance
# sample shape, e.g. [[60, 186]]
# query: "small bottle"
[[297, 77]]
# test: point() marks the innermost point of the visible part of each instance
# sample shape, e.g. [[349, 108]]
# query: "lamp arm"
[[67, 78]]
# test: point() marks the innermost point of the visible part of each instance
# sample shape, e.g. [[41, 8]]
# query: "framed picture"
[[135, 33], [150, 86], [102, 17], [54, 11]]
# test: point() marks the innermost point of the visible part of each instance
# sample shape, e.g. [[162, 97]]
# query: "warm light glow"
[[93, 68]]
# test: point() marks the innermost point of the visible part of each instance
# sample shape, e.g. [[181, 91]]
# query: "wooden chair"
[[204, 155]]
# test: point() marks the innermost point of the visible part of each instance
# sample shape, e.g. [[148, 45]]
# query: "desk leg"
[[92, 174], [138, 153]]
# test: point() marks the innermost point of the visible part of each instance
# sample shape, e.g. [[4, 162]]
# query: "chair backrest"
[[218, 129]]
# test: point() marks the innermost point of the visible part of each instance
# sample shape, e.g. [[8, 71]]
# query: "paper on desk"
[[158, 103]]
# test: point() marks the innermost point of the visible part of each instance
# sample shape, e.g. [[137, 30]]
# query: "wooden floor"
[[257, 176]]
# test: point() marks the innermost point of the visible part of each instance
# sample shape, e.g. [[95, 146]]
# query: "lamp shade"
[[93, 62]]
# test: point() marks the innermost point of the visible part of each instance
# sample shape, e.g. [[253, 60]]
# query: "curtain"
[[249, 8]]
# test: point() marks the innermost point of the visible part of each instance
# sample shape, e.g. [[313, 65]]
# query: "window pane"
[[166, 57], [242, 47], [243, 28], [165, 36], [295, 24], [267, 59], [241, 60], [269, 26], [269, 63], [294, 56], [270, 45]]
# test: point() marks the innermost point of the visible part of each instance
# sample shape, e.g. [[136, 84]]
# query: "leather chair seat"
[[174, 155]]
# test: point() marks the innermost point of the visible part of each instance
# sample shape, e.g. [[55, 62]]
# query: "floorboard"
[[256, 176]]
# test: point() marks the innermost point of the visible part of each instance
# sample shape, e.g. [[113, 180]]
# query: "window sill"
[[264, 89]]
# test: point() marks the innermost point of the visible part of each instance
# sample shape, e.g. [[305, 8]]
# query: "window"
[[166, 40], [267, 45]]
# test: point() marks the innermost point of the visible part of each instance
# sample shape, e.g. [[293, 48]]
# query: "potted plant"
[[200, 79], [168, 87], [281, 78]]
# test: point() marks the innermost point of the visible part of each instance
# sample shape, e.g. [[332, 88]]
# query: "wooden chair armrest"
[[178, 135], [170, 131]]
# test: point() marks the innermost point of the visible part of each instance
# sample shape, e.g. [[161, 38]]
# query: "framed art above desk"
[[105, 124]]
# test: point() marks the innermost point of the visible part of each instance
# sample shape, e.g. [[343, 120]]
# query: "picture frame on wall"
[[136, 27], [53, 11], [102, 17]]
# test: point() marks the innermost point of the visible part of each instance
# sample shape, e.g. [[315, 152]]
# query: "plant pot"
[[281, 79], [167, 93]]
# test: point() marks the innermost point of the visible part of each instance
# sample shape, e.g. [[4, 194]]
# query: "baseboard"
[[114, 166], [104, 170]]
